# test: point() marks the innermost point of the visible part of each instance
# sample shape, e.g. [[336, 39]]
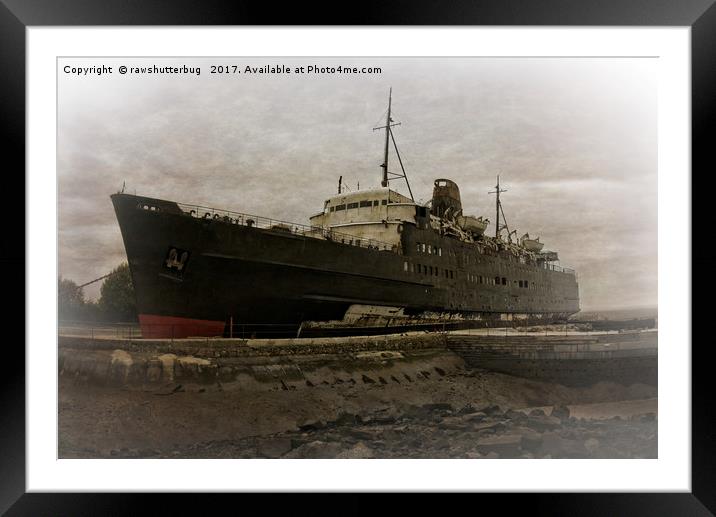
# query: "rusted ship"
[[371, 261]]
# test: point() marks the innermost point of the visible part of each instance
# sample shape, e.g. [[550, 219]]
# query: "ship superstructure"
[[370, 261]]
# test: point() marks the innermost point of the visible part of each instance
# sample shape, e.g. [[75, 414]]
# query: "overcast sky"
[[574, 141]]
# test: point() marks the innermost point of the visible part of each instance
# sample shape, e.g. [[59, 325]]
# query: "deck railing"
[[555, 267], [265, 223]]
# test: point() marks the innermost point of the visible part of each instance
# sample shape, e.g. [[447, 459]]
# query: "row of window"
[[409, 267], [475, 279], [469, 258], [479, 279], [429, 249], [361, 204]]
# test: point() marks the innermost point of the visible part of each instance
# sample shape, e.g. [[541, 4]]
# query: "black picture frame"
[[17, 15]]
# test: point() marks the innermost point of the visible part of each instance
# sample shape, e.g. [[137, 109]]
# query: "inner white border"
[[670, 472]]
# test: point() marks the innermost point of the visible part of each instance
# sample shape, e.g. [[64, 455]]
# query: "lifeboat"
[[533, 245], [474, 225]]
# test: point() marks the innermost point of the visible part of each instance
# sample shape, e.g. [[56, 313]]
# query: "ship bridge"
[[367, 214]]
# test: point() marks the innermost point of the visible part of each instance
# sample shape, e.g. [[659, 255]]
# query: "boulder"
[[466, 410], [492, 425], [437, 406], [347, 419], [517, 416], [562, 412], [477, 416], [311, 425], [543, 422], [359, 434], [358, 451], [492, 410], [273, 447]]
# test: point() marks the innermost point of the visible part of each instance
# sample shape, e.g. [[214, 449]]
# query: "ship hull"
[[205, 277]]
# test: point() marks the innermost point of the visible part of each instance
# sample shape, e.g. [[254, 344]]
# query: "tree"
[[70, 299], [117, 300]]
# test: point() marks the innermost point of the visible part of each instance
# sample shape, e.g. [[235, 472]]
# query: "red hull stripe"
[[159, 327]]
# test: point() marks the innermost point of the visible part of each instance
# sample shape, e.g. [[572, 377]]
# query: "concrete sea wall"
[[289, 364], [257, 364]]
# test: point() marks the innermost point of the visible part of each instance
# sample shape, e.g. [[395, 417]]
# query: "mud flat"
[[405, 396]]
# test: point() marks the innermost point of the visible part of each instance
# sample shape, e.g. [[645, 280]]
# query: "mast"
[[388, 120], [498, 207], [389, 123]]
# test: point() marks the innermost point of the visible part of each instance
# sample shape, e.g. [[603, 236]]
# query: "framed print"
[[420, 258]]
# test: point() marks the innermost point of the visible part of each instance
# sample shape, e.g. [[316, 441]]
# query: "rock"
[[492, 410], [176, 389], [439, 406], [473, 455], [543, 422], [506, 445], [359, 434], [367, 380], [536, 412], [385, 419], [365, 419], [273, 447], [311, 425], [315, 450], [592, 445], [466, 410], [492, 456], [347, 419], [477, 416], [562, 412], [493, 426], [359, 451], [453, 422], [515, 415]]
